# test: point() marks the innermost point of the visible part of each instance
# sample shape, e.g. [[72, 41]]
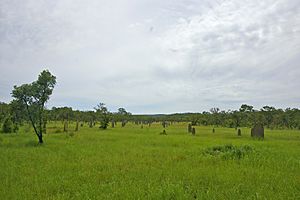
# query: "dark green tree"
[[215, 116], [121, 115], [246, 108], [4, 111], [237, 118], [33, 97], [247, 115], [122, 111], [268, 113], [103, 115]]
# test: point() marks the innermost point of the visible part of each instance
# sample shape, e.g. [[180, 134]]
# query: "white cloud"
[[155, 56]]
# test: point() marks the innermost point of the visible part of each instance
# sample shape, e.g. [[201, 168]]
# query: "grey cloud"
[[154, 56]]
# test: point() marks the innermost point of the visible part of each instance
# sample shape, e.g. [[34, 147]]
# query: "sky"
[[154, 56]]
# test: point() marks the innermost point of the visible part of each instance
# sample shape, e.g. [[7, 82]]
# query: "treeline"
[[245, 116]]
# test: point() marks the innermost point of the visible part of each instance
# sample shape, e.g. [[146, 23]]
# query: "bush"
[[229, 151], [8, 126], [163, 133], [15, 128], [27, 128], [71, 134], [57, 131]]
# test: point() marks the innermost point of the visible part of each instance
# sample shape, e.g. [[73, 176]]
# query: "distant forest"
[[245, 116]]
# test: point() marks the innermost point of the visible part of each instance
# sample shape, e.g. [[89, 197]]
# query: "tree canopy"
[[32, 98]]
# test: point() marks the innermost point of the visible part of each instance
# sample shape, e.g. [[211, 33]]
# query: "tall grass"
[[135, 163]]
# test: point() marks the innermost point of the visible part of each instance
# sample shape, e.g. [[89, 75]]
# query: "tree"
[[215, 116], [268, 112], [246, 108], [247, 116], [4, 111], [237, 118], [121, 115], [103, 114], [122, 111], [33, 97]]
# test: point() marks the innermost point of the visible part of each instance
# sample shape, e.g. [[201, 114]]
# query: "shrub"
[[189, 128], [71, 134], [229, 151], [193, 131], [163, 133], [27, 128], [57, 131], [8, 126]]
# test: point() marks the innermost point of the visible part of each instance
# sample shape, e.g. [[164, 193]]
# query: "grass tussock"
[[229, 151]]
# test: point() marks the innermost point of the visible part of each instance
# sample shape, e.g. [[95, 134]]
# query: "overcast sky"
[[154, 56]]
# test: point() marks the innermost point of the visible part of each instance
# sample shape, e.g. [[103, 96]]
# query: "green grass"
[[135, 163]]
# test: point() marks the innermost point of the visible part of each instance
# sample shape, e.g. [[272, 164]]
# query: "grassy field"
[[135, 163]]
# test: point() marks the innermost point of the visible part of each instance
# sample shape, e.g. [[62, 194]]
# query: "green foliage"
[[229, 151], [4, 111], [164, 132], [246, 108], [193, 131], [31, 98], [122, 111], [194, 122], [57, 130], [121, 115], [71, 134], [246, 116], [103, 115], [189, 127], [66, 126], [77, 126], [8, 126]]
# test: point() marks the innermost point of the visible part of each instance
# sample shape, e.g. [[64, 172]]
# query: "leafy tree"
[[32, 97], [4, 111], [194, 121], [237, 118], [215, 116], [122, 111], [121, 115], [246, 108], [268, 112], [247, 117], [17, 113], [103, 114]]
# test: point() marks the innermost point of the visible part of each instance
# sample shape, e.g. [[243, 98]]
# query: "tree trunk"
[[77, 126], [40, 139]]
